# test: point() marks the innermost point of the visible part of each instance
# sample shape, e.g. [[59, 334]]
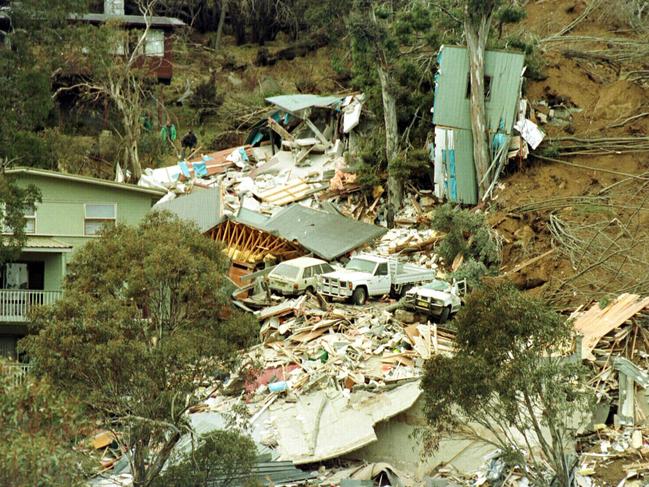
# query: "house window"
[[98, 215], [14, 276], [155, 43], [30, 220], [487, 87]]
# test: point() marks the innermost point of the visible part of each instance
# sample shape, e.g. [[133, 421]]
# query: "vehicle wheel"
[[405, 289], [443, 318], [309, 289], [359, 296]]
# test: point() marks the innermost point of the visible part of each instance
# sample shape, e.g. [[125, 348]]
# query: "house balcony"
[[15, 304]]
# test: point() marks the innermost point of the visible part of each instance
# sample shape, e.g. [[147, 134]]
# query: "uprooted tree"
[[144, 321], [510, 385], [470, 245]]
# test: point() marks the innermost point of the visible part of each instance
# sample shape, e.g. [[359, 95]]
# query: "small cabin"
[[158, 46]]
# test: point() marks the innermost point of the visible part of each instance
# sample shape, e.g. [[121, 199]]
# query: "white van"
[[297, 275]]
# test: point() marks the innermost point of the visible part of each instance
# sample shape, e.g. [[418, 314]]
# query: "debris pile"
[[345, 347], [291, 155]]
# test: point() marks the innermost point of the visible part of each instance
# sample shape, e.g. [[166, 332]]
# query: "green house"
[[455, 177], [73, 210]]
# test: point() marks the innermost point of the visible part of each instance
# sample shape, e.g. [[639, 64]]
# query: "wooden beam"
[[281, 131]]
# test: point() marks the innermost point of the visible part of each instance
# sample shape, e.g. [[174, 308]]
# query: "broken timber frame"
[[245, 244]]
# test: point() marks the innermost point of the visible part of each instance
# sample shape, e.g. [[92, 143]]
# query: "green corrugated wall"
[[453, 110]]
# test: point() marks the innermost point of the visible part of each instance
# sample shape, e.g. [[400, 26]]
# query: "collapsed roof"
[[201, 206], [328, 235]]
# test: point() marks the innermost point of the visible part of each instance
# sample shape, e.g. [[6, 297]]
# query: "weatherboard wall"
[[61, 213]]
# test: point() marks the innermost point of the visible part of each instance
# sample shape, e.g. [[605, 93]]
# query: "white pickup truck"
[[371, 275], [437, 298]]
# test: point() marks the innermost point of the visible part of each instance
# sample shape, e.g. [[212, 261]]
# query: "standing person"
[[189, 142], [168, 134]]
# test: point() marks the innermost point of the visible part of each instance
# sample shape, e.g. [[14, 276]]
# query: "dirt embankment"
[[591, 208]]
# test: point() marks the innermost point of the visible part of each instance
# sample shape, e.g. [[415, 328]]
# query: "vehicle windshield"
[[286, 270], [360, 265], [438, 286]]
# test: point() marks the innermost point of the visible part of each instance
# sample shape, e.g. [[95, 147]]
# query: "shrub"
[[467, 234]]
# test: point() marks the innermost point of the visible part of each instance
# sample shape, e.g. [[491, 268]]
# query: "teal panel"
[[466, 181], [299, 102], [451, 106]]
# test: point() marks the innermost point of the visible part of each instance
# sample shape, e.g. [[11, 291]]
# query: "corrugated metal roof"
[[201, 206], [452, 106], [36, 242], [297, 103], [325, 234], [84, 179], [251, 219], [154, 20]]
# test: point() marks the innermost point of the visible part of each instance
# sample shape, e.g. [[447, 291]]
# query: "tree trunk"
[[219, 29], [395, 185], [476, 38], [133, 159], [132, 131]]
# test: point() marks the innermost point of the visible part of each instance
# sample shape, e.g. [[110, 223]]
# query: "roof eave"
[[86, 179]]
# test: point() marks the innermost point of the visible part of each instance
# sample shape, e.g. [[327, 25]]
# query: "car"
[[368, 275], [297, 276], [437, 298]]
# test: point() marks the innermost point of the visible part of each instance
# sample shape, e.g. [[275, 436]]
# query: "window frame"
[[487, 82], [150, 41], [382, 269], [29, 218], [87, 219], [4, 230]]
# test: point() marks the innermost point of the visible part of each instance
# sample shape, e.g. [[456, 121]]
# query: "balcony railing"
[[15, 304], [16, 372]]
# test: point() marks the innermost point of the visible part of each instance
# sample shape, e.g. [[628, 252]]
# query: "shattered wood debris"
[[339, 369]]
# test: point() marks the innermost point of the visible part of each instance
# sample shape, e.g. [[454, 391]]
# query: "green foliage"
[[40, 429], [411, 164], [533, 57], [550, 150], [511, 13], [151, 148], [224, 455], [476, 10], [467, 234], [325, 16], [25, 76], [471, 270], [71, 152], [145, 317], [508, 377], [13, 201], [369, 160], [206, 100]]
